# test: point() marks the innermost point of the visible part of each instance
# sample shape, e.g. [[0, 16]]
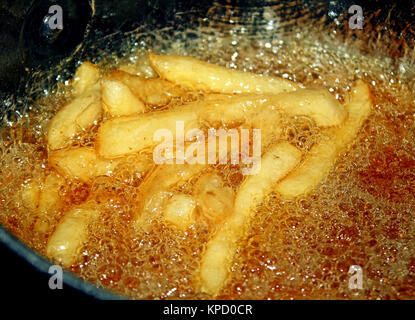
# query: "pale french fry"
[[86, 76], [277, 162], [199, 75], [72, 232], [81, 163], [118, 100], [180, 211], [78, 115], [154, 92], [120, 136], [322, 157]]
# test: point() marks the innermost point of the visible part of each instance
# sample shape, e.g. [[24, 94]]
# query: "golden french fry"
[[322, 157], [72, 232], [49, 198], [154, 92], [180, 211], [231, 110], [119, 136], [49, 202], [78, 115], [216, 96], [81, 163], [86, 76], [42, 195], [141, 67], [317, 104], [118, 100], [277, 162], [154, 190], [199, 75], [214, 199], [30, 194], [247, 110]]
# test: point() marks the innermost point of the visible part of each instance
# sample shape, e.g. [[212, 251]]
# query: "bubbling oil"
[[362, 214]]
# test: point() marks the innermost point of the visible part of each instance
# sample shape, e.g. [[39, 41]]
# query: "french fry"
[[141, 67], [86, 76], [153, 92], [248, 110], [216, 96], [154, 190], [322, 157], [72, 232], [279, 160], [81, 163], [214, 199], [318, 104], [118, 100], [180, 211], [49, 198], [49, 202], [78, 115], [199, 75], [42, 194], [117, 137], [125, 135], [30, 194]]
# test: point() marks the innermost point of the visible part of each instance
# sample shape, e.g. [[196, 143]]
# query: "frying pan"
[[32, 53]]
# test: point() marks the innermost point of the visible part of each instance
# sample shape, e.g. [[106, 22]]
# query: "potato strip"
[[199, 75], [317, 104], [86, 76], [81, 163], [118, 100], [65, 243], [154, 92], [153, 192], [279, 160], [119, 136], [84, 164], [322, 157], [125, 135], [80, 114]]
